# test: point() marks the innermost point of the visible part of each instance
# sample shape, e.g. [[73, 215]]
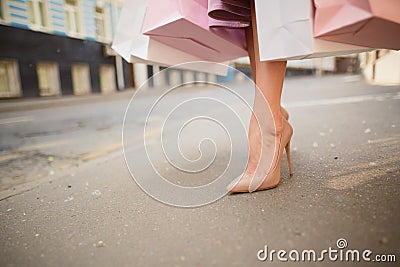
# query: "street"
[[68, 199]]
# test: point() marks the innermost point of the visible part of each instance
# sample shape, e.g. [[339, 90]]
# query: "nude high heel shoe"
[[248, 183]]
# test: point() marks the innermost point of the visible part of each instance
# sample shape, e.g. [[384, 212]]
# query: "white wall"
[[383, 70]]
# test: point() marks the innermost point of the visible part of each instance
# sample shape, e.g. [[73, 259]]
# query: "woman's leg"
[[265, 131], [268, 77], [252, 56], [250, 49]]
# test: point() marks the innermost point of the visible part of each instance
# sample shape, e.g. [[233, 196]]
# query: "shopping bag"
[[133, 46], [285, 31], [184, 25], [372, 23]]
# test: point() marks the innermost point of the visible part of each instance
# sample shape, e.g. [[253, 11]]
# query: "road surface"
[[68, 198]]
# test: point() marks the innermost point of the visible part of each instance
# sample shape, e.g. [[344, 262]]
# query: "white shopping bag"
[[285, 31], [133, 46]]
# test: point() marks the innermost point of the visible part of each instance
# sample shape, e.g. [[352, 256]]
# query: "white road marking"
[[16, 120], [342, 100]]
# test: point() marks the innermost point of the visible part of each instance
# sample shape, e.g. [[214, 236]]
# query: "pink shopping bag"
[[372, 23], [184, 25]]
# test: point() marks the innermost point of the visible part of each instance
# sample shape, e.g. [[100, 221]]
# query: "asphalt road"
[[68, 198]]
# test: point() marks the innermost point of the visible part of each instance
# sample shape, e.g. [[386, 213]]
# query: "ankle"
[[278, 120]]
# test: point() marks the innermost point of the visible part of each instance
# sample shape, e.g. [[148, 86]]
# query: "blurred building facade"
[[59, 47], [381, 67], [62, 47]]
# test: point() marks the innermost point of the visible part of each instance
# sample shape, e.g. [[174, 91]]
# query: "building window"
[[2, 9], [107, 78], [103, 23], [49, 79], [100, 23], [9, 79], [81, 78], [72, 16], [38, 13]]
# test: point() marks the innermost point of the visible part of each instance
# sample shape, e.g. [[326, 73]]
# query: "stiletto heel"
[[289, 160]]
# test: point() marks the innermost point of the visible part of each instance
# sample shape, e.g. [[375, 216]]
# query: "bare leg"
[[267, 137], [250, 49], [252, 56], [268, 77]]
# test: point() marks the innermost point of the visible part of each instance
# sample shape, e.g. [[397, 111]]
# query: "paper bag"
[[285, 31], [184, 25], [372, 23], [133, 46]]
